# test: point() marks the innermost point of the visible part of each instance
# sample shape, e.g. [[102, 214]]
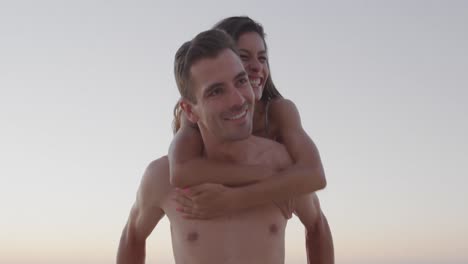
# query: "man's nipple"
[[273, 229], [192, 236]]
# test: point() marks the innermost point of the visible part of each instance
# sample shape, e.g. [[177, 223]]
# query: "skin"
[[189, 168], [248, 236], [261, 184]]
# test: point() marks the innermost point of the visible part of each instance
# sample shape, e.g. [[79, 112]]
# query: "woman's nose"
[[255, 65]]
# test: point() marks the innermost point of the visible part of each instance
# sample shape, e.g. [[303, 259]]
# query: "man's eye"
[[243, 81], [214, 92]]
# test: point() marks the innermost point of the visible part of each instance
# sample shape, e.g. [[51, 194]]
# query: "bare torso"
[[251, 236]]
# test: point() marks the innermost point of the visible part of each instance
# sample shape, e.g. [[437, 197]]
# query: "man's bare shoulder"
[[157, 171], [155, 183], [265, 144], [272, 152]]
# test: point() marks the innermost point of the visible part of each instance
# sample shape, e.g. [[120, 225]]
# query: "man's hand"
[[205, 201]]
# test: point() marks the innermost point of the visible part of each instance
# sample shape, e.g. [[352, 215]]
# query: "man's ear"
[[188, 109]]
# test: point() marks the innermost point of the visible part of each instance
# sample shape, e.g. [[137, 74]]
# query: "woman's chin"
[[258, 93]]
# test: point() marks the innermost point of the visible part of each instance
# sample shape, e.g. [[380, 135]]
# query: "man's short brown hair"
[[207, 44]]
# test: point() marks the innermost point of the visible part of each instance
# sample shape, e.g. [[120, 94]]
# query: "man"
[[216, 94]]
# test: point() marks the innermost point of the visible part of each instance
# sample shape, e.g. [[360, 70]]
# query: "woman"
[[275, 118]]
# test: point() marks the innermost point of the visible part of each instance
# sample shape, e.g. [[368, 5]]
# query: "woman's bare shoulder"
[[283, 115], [281, 105]]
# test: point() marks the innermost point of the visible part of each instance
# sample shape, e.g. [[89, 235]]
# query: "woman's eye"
[[244, 57], [262, 59]]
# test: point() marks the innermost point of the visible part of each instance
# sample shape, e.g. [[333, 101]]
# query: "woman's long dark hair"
[[236, 26]]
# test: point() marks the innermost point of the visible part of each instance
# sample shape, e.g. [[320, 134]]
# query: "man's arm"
[[319, 243], [144, 215]]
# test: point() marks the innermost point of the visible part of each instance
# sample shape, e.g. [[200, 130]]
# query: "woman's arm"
[[188, 167], [306, 175]]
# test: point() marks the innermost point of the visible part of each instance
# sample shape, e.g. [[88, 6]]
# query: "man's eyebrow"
[[211, 87], [240, 74]]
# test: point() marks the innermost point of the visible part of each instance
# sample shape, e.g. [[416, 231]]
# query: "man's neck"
[[259, 118], [234, 151]]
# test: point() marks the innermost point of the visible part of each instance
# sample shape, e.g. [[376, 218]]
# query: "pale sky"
[[86, 98]]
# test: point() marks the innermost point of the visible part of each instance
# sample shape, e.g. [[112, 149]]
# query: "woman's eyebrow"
[[262, 52]]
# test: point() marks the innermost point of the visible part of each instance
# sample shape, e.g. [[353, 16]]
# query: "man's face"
[[225, 99]]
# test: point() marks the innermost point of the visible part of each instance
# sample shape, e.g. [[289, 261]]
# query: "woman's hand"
[[206, 201]]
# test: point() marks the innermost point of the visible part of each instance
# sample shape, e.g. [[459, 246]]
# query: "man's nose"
[[236, 98]]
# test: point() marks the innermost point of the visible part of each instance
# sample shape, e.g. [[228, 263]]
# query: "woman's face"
[[254, 57]]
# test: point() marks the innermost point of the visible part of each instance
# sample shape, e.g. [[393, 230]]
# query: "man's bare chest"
[[262, 223]]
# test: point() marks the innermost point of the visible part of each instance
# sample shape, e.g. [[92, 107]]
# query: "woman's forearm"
[[201, 170], [188, 167], [294, 181]]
